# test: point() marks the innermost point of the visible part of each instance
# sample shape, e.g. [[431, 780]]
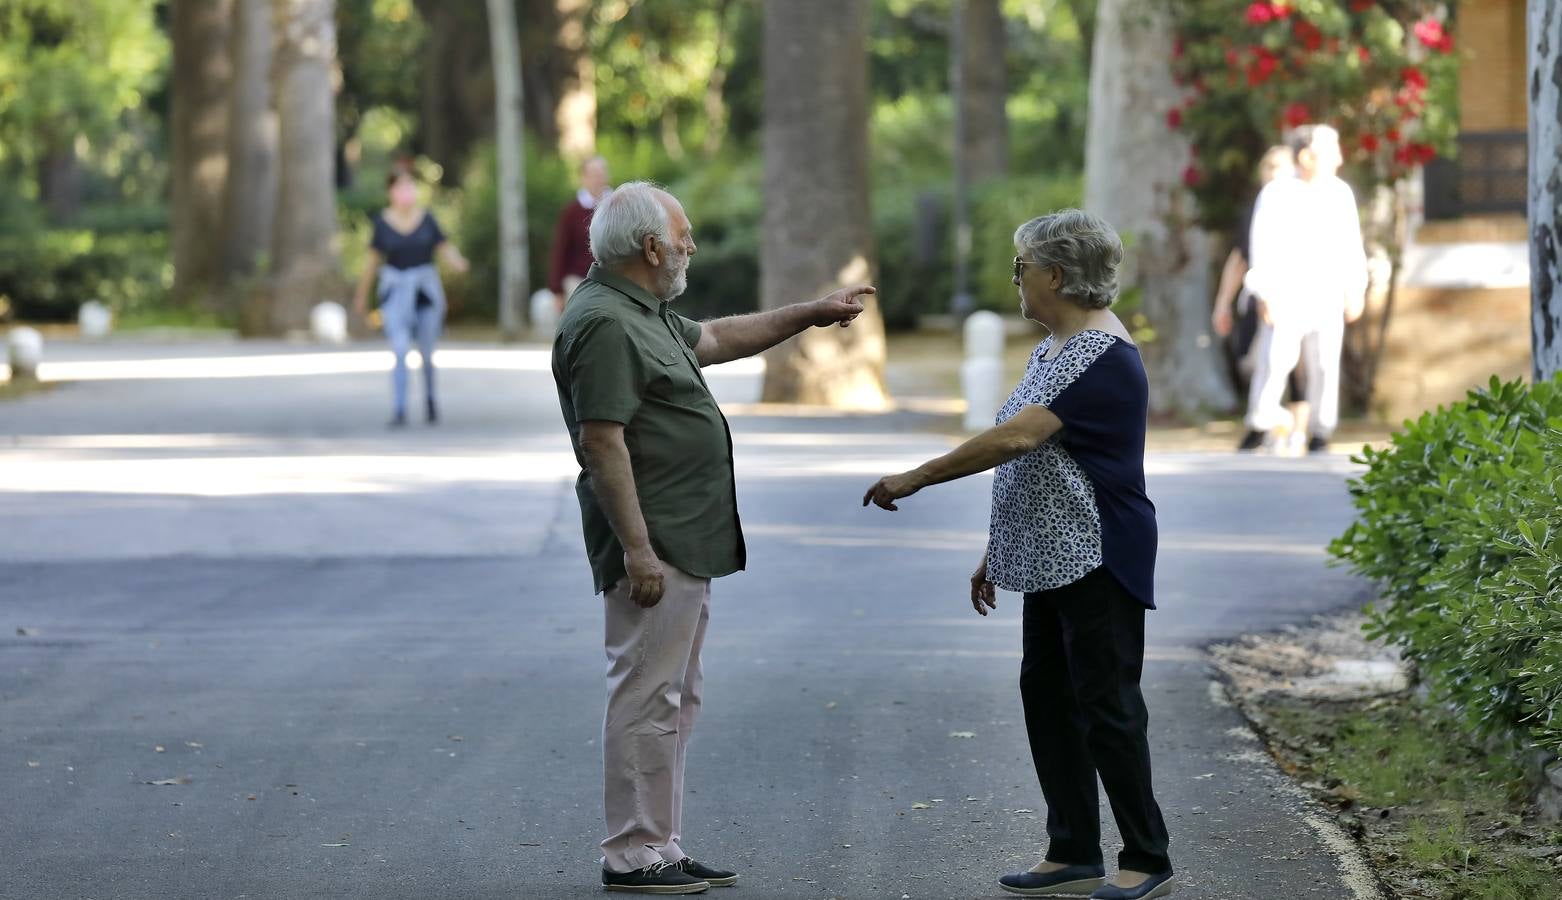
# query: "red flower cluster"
[[1296, 115], [1307, 33], [1174, 119], [1262, 67], [1262, 12], [1431, 33], [1414, 153]]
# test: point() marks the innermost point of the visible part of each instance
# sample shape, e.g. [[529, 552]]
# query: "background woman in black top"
[[411, 297]]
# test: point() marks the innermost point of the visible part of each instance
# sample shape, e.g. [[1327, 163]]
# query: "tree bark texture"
[[512, 171], [249, 207], [817, 232], [1545, 184], [1133, 179], [200, 83], [304, 261], [576, 115], [983, 80]]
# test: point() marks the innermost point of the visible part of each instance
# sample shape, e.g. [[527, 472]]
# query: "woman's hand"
[[984, 595], [893, 487]]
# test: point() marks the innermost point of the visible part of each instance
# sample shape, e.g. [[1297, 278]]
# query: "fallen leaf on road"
[[921, 806], [529, 844], [1025, 811], [1203, 777], [160, 749], [962, 734], [182, 779], [972, 799], [27, 632], [336, 845], [196, 744], [251, 797], [33, 765], [830, 705], [457, 737]]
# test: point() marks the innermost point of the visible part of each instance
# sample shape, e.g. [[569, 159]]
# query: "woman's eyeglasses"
[[1019, 266]]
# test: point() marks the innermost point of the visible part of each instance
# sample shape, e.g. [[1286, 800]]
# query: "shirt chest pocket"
[[675, 377]]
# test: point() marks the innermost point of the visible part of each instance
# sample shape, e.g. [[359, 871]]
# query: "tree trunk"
[[1545, 184], [202, 73], [249, 208], [512, 168], [59, 181], [817, 233], [1133, 170], [576, 116], [983, 90], [304, 258], [458, 84]]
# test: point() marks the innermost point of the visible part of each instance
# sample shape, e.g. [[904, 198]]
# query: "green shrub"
[[1460, 522], [46, 275]]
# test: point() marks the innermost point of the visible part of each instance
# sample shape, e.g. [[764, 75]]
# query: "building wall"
[[1493, 68]]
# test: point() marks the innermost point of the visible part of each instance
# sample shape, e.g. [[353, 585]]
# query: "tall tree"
[[817, 233], [1545, 183], [981, 77], [200, 82], [512, 165], [249, 208], [1133, 178], [576, 116], [72, 70], [304, 260]]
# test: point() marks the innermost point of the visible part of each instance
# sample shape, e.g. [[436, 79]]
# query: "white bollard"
[[981, 376], [94, 320], [544, 313], [24, 351], [328, 323]]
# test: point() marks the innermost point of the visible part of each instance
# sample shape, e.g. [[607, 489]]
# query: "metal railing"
[[1490, 175]]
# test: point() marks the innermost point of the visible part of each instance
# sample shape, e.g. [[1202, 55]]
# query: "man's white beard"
[[680, 281]]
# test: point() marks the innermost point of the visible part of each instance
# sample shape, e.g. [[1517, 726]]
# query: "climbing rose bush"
[[1383, 73]]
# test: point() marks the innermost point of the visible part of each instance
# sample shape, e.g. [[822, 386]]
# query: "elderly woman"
[[1073, 530]]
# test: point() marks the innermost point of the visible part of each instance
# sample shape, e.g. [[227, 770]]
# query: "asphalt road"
[[372, 662]]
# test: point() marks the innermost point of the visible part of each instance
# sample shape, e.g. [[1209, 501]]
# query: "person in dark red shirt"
[[571, 256]]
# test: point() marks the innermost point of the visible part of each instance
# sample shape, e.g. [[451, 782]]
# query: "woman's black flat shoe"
[[1154, 886], [1074, 881]]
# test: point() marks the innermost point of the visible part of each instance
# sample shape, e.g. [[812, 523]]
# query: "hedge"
[[1460, 522]]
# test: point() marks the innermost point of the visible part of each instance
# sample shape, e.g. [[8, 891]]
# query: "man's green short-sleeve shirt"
[[623, 356]]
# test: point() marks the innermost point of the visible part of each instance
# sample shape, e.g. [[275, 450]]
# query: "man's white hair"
[[623, 218]]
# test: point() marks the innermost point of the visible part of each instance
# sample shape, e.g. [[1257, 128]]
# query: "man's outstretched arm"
[[724, 340]]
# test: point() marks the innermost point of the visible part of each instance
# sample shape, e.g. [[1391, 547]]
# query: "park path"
[[376, 659]]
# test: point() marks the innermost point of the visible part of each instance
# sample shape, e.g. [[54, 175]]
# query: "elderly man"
[[659, 507], [570, 257], [1308, 271]]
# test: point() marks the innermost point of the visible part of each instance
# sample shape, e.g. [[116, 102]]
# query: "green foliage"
[[1460, 521], [72, 68], [46, 275], [1382, 73]]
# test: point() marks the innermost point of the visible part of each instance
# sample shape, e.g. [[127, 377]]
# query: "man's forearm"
[[613, 481], [742, 336]]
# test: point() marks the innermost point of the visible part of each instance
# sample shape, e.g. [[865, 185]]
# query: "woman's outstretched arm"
[[1029, 429]]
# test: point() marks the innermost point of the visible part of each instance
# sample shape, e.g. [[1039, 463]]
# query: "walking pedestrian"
[[1235, 316], [570, 258], [1308, 274], [1074, 531], [659, 508], [402, 251]]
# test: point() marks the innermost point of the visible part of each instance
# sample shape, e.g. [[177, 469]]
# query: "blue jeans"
[[401, 328]]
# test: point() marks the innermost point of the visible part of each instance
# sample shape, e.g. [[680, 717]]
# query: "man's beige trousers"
[[653, 696]]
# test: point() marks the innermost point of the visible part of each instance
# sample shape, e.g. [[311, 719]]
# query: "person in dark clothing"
[[571, 258], [402, 251], [1074, 531]]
